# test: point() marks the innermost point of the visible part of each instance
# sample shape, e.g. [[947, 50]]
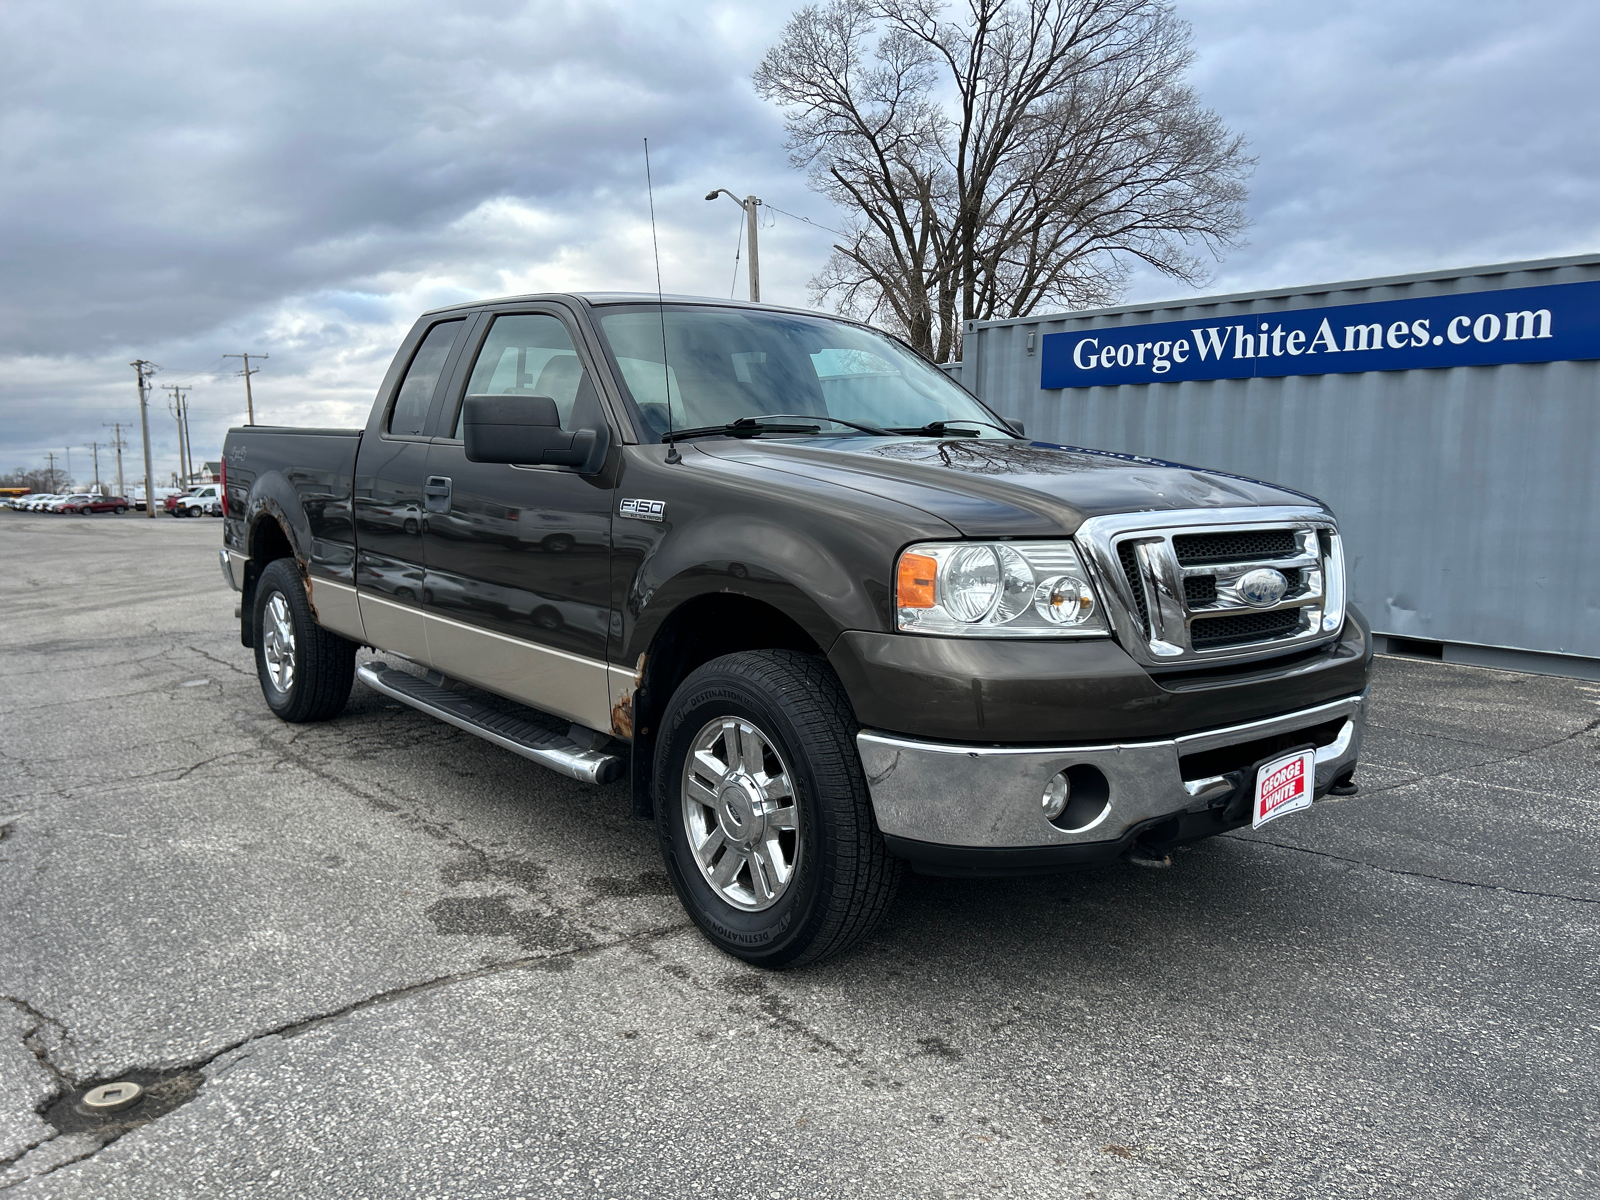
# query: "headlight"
[[996, 589]]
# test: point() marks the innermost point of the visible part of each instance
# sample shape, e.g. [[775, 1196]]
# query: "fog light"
[[1056, 795]]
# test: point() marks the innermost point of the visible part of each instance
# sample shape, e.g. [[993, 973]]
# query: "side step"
[[561, 755]]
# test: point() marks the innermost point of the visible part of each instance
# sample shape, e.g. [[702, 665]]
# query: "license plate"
[[1283, 786]]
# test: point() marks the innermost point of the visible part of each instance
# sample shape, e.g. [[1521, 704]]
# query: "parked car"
[[839, 616], [205, 500], [38, 501], [71, 502], [94, 504]]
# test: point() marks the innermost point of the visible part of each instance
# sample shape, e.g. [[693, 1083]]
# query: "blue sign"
[[1518, 325]]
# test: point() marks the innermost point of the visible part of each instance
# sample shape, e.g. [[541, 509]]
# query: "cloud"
[[183, 180], [1401, 137]]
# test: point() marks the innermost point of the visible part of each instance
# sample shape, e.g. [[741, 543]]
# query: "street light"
[[749, 204]]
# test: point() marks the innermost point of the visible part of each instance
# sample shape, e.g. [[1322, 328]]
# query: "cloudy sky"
[[180, 181]]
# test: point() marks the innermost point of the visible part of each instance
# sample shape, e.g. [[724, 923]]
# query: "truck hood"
[[1004, 488]]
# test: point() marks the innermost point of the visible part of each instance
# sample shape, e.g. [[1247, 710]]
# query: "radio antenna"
[[666, 373]]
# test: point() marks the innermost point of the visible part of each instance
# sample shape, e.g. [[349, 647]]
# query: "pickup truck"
[[830, 615]]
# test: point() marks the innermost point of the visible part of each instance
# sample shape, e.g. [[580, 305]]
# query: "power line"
[[738, 246], [807, 220]]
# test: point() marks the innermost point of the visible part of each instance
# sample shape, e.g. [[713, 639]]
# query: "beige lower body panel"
[[553, 681], [395, 627], [338, 608]]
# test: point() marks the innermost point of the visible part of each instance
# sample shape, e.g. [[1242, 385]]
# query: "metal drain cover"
[[112, 1097]]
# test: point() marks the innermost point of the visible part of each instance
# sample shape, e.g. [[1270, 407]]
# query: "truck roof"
[[596, 299]]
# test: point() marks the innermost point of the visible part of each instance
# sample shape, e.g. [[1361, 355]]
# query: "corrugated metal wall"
[[1467, 496]]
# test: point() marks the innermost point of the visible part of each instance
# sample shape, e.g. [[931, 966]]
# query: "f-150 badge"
[[643, 510]]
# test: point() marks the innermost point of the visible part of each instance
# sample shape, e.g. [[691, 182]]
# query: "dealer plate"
[[1283, 786]]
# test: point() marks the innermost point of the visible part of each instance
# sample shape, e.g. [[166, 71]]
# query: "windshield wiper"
[[953, 428], [744, 427], [875, 430]]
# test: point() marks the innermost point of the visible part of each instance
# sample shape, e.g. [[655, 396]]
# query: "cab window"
[[531, 354], [415, 395]]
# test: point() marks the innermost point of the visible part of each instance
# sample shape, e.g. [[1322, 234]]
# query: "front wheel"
[[306, 672], [121, 508], [763, 812]]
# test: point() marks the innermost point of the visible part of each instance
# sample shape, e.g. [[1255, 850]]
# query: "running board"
[[561, 755]]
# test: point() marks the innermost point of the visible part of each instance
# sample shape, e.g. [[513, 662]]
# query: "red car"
[[95, 504]]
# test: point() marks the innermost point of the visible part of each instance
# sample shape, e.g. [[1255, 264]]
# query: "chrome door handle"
[[436, 494]]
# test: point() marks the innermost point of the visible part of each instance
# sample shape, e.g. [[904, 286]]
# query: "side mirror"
[[1016, 426], [527, 430]]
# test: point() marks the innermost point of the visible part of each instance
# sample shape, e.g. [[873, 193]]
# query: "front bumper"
[[964, 804]]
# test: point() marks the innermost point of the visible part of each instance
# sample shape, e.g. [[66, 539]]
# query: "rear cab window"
[[414, 396]]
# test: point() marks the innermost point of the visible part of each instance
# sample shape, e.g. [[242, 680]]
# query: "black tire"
[[843, 878], [410, 526], [558, 543], [121, 508], [324, 664]]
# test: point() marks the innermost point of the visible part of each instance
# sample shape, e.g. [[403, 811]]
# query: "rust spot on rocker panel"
[[305, 576], [622, 710]]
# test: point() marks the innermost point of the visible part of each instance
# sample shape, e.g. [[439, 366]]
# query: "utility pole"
[[51, 459], [249, 401], [188, 448], [178, 411], [119, 442], [94, 448], [749, 204], [145, 370]]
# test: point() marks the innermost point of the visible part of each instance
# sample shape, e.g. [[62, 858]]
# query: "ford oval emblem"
[[1262, 588]]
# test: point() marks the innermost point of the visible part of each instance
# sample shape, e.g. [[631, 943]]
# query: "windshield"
[[723, 364]]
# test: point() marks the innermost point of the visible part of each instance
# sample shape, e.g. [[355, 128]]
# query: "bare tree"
[[38, 479], [1020, 156]]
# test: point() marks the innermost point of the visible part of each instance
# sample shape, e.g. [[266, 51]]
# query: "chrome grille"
[[1193, 548], [1172, 581], [1207, 632]]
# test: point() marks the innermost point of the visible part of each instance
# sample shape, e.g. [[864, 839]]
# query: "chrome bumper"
[[979, 796], [226, 557]]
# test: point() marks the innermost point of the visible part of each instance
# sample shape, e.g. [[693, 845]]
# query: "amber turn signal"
[[914, 587]]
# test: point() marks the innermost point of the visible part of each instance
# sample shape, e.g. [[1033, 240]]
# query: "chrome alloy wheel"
[[740, 814], [277, 641]]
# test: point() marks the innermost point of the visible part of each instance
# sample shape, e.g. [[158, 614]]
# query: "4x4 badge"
[[643, 510]]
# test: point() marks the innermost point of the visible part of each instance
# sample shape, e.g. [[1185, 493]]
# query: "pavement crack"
[[183, 1083], [221, 662], [1471, 883], [33, 1038]]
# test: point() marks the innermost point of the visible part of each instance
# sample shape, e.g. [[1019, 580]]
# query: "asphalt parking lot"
[[381, 957]]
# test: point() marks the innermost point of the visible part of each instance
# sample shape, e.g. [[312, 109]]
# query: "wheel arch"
[[274, 528], [702, 627]]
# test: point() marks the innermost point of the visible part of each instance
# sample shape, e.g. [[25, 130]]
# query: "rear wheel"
[[121, 508], [763, 813], [306, 672]]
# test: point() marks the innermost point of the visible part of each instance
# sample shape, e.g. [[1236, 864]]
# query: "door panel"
[[389, 576], [523, 552], [388, 503]]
